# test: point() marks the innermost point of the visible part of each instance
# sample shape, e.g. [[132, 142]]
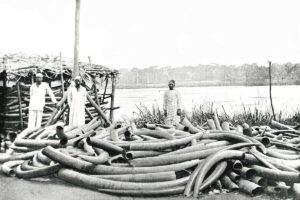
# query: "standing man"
[[172, 104], [76, 101], [38, 92]]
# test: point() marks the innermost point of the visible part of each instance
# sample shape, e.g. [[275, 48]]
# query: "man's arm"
[[50, 92], [69, 93], [84, 96], [179, 104], [165, 103], [31, 91]]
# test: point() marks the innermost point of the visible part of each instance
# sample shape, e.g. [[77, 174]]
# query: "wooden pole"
[[54, 113], [20, 106], [89, 113], [112, 98], [62, 82], [94, 84], [105, 87], [270, 78], [76, 45], [98, 109], [60, 113]]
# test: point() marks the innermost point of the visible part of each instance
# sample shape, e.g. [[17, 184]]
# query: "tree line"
[[210, 75]]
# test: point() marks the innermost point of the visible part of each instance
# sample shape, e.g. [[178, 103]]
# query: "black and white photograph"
[[149, 99]]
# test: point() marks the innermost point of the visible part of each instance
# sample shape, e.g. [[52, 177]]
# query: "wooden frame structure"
[[16, 78]]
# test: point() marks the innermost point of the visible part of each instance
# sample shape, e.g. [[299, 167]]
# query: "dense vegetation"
[[200, 114], [213, 74]]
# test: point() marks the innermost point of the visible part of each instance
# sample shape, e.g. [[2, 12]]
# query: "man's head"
[[77, 81], [39, 78], [171, 84]]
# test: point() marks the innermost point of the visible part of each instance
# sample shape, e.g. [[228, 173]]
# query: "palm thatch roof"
[[21, 65]]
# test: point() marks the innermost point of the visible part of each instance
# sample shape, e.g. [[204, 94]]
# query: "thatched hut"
[[17, 73]]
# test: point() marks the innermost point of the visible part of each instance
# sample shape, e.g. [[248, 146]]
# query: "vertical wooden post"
[[94, 84], [20, 105], [76, 45], [112, 97], [270, 77], [104, 93], [62, 82]]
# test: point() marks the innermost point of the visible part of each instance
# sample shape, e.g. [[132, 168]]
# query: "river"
[[232, 98]]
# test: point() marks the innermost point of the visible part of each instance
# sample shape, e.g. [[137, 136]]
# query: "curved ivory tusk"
[[24, 156], [287, 163], [151, 193], [276, 174], [296, 189], [44, 171], [275, 154], [104, 145], [249, 187], [141, 154], [165, 144], [81, 165], [181, 127], [211, 161], [215, 175], [149, 177], [38, 143], [42, 158], [247, 173], [233, 176], [156, 134], [102, 158], [285, 152], [25, 166], [192, 129], [7, 167], [191, 181], [216, 120], [237, 165], [84, 180], [114, 135], [260, 181], [172, 159], [221, 135], [37, 163], [228, 183], [111, 161]]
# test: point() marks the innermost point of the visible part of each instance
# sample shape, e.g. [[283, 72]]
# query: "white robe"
[[37, 103], [76, 101], [172, 102]]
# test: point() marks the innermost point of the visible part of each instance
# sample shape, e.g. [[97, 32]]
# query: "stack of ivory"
[[162, 160]]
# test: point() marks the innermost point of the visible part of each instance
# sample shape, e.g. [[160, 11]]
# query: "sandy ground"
[[12, 188]]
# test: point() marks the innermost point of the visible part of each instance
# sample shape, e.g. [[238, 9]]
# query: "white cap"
[[77, 78], [60, 124], [39, 75]]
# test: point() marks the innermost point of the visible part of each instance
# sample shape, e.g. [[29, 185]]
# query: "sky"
[[143, 33]]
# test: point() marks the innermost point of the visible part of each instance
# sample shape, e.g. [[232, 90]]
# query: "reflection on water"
[[232, 98]]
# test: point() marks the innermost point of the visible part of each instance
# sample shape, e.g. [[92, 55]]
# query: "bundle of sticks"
[[162, 160]]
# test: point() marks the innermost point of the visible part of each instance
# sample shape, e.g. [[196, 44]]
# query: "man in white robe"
[[76, 101], [172, 104], [38, 91]]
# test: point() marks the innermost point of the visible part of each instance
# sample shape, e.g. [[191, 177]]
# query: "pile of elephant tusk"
[[162, 160]]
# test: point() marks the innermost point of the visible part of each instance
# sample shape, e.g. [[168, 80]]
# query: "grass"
[[201, 113]]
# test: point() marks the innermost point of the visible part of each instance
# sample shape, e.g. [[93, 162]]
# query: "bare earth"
[[12, 188]]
